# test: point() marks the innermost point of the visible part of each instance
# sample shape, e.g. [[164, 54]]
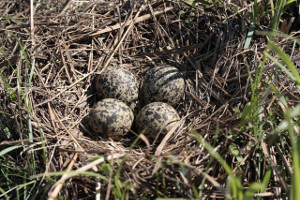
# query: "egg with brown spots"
[[156, 117], [163, 84], [119, 83], [111, 117]]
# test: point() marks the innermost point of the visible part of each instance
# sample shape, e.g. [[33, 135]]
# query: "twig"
[[167, 137], [176, 50], [68, 87], [29, 25], [90, 166], [286, 163], [137, 20], [52, 195], [67, 5], [277, 173], [121, 40], [67, 130]]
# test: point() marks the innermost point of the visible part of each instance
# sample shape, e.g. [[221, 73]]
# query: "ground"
[[237, 137]]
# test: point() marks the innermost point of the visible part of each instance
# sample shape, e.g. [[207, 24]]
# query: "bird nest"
[[51, 82]]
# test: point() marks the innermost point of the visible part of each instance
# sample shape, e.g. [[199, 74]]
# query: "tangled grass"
[[240, 112]]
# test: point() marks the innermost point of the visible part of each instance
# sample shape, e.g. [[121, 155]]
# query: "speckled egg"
[[156, 117], [163, 84], [119, 83], [111, 117]]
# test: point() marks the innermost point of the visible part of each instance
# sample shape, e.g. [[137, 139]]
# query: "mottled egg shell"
[[111, 117], [163, 84], [156, 117], [119, 83]]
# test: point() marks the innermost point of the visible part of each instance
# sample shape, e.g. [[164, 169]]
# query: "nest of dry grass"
[[73, 43]]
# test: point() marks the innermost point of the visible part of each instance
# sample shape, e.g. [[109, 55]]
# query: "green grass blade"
[[295, 192], [279, 34], [4, 193], [237, 188], [266, 181], [118, 174], [295, 141], [9, 149], [249, 35], [281, 66], [286, 60], [280, 97], [295, 112], [210, 149]]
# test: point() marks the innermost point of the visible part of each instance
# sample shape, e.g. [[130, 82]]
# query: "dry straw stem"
[[127, 23], [67, 130], [67, 88], [32, 24], [58, 184], [167, 137], [65, 8], [278, 177], [53, 195], [121, 40], [124, 24]]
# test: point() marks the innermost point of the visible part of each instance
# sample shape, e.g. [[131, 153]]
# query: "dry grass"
[[71, 45]]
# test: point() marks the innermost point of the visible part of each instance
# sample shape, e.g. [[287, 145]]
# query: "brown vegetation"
[[63, 48]]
